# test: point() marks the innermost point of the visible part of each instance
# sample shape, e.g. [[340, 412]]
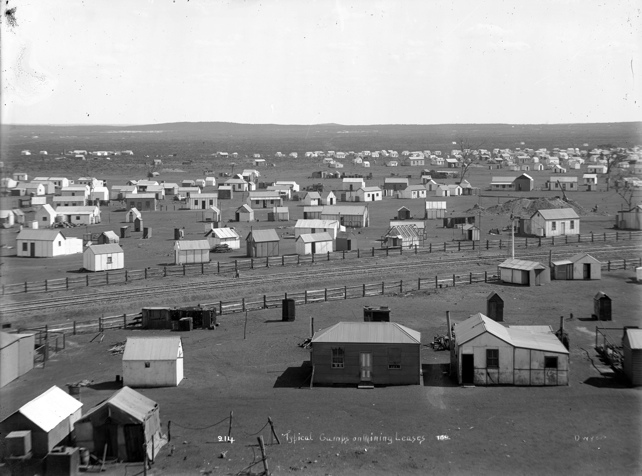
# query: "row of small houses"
[[526, 183]]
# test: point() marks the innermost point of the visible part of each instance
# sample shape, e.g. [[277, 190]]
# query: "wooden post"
[[579, 237], [236, 267], [100, 324], [106, 277], [229, 428], [485, 276], [450, 339], [311, 326], [125, 275], [263, 456], [418, 284], [243, 303], [526, 243], [617, 235], [473, 245], [169, 431], [328, 256], [471, 278], [218, 267], [566, 239], [164, 271], [125, 321], [245, 326], [74, 327], [66, 284], [453, 280], [429, 247], [596, 337], [364, 290], [273, 431], [592, 237], [145, 273], [183, 270], [86, 279], [604, 236], [500, 243], [608, 265], [325, 294], [46, 285], [486, 244], [202, 268], [283, 260], [145, 463], [459, 246], [251, 263], [624, 263], [373, 251], [220, 307], [401, 250], [264, 301], [305, 296], [358, 253], [344, 254], [436, 282], [415, 249], [386, 253], [401, 285], [383, 288], [345, 292], [312, 257], [539, 241], [298, 258], [444, 246]]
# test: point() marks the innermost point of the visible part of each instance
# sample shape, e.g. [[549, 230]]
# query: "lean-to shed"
[[127, 422], [346, 241], [367, 353], [487, 353], [16, 356], [50, 418], [528, 273], [191, 251], [579, 266], [312, 243], [262, 243], [103, 257], [632, 350], [153, 362]]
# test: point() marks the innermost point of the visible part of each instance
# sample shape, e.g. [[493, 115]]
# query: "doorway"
[[366, 366], [32, 250], [586, 271], [467, 369]]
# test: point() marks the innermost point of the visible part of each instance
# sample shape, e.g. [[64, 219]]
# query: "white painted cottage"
[[103, 257], [153, 362], [313, 243]]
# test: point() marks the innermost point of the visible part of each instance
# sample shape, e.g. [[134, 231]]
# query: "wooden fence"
[[125, 276]]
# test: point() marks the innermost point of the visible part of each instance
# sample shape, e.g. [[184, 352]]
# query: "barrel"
[[177, 233], [288, 309]]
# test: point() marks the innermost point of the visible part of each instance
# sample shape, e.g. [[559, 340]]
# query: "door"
[[203, 204], [32, 250], [563, 228], [587, 271], [314, 248], [366, 366], [134, 441], [467, 369]]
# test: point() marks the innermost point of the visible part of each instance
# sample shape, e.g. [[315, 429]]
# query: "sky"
[[310, 62]]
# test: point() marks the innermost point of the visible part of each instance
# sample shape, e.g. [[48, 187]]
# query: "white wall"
[[166, 373], [98, 262]]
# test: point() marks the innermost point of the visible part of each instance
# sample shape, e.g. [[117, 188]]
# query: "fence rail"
[[124, 276]]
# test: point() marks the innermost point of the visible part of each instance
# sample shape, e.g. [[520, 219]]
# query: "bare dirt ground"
[[588, 427]]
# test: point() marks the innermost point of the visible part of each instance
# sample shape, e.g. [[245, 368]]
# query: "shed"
[[403, 213], [36, 243], [470, 232], [312, 243], [89, 215], [355, 216], [524, 183], [50, 418], [128, 423], [632, 355], [495, 307], [16, 356], [153, 362], [435, 210], [244, 213], [103, 257], [366, 353], [312, 199], [316, 226], [223, 236], [107, 237], [45, 216], [212, 214], [262, 243], [142, 201], [191, 251], [156, 318], [203, 201], [403, 236], [279, 214], [487, 353], [346, 241], [602, 307], [528, 273], [579, 266], [312, 212]]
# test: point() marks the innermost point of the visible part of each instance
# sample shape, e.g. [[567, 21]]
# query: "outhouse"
[[403, 214], [632, 349], [602, 307], [495, 307], [138, 224]]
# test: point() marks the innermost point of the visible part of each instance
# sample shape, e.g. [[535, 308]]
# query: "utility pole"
[[512, 237]]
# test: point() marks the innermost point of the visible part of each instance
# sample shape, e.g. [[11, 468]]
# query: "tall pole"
[[512, 238]]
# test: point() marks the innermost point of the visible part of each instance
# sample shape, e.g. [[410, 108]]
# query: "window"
[[394, 358], [550, 362], [572, 224], [77, 217], [147, 365], [338, 358], [492, 358], [60, 243], [44, 218], [109, 261], [25, 247], [553, 225]]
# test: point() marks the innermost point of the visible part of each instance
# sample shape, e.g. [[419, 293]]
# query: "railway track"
[[434, 263]]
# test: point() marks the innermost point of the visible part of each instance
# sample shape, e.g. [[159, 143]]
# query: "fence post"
[[125, 321], [325, 294], [106, 277], [328, 256], [243, 304], [145, 273], [453, 280], [617, 235], [202, 268], [485, 276], [100, 324], [364, 290], [87, 279], [125, 275], [500, 243], [629, 235], [345, 292], [264, 301], [218, 267], [383, 288], [401, 285], [164, 271], [604, 236], [624, 263], [74, 327], [609, 265], [251, 263], [436, 282], [283, 260], [312, 254], [552, 240], [486, 244], [473, 245], [358, 253], [66, 283], [429, 247], [46, 285], [305, 296], [579, 237], [220, 307], [236, 266], [373, 251], [386, 252], [415, 249], [418, 284], [459, 246], [183, 270], [401, 250], [539, 243], [471, 278], [344, 254], [298, 258], [566, 239], [526, 246], [592, 237]]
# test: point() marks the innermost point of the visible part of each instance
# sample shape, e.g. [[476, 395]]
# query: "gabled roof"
[[313, 195], [477, 325], [314, 237], [370, 189], [140, 196], [223, 233], [152, 348], [579, 256], [416, 187], [105, 249], [344, 209], [368, 333], [403, 231], [395, 179], [262, 236], [502, 180], [38, 235], [557, 213], [192, 245], [110, 234], [128, 401], [133, 211], [634, 337], [50, 408], [47, 208], [89, 210], [524, 265], [245, 208]]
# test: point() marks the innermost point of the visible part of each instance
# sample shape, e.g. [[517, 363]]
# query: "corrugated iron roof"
[[313, 195], [50, 408], [404, 231], [635, 338], [514, 263], [368, 333], [129, 401], [371, 189], [315, 223], [313, 208], [558, 213], [562, 262], [314, 237], [344, 210], [245, 209], [152, 348], [224, 233], [536, 339], [477, 325], [262, 236], [501, 180], [193, 245], [264, 195], [105, 249], [579, 256], [89, 210], [395, 179], [38, 235]]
